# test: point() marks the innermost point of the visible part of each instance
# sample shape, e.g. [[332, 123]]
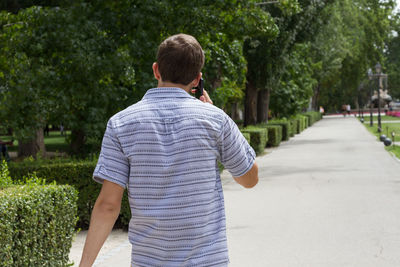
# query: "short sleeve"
[[112, 165], [236, 154]]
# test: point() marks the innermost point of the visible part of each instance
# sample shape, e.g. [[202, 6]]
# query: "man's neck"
[[175, 85]]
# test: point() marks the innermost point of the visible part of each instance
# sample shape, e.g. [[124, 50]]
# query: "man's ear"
[[196, 81], [156, 72]]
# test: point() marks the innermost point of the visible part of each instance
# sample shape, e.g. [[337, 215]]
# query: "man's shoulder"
[[128, 114], [143, 110]]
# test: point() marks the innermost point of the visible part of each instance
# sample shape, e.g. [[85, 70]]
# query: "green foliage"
[[274, 134], [77, 174], [286, 130], [58, 64], [393, 62], [354, 40], [301, 123], [246, 136], [37, 225], [296, 86], [294, 126], [258, 138], [313, 116], [5, 179]]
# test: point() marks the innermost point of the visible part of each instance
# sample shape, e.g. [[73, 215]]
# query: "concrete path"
[[328, 197]]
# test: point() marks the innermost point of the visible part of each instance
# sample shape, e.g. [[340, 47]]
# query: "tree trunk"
[[78, 139], [235, 111], [31, 147], [315, 97], [250, 108], [263, 105]]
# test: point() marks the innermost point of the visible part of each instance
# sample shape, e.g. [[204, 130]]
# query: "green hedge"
[[258, 138], [285, 128], [313, 116], [294, 126], [246, 136], [77, 174], [306, 123], [301, 123], [274, 134], [37, 225]]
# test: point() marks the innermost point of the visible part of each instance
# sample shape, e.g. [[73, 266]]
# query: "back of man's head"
[[180, 59]]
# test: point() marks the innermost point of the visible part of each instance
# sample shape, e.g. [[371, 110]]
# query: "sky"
[[398, 4]]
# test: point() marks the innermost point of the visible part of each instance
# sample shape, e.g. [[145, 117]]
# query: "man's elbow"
[[251, 183], [250, 179], [108, 207]]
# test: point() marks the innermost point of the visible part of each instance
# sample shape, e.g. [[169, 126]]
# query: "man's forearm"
[[101, 224]]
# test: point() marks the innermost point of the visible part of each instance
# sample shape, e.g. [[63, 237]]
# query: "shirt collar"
[[166, 92]]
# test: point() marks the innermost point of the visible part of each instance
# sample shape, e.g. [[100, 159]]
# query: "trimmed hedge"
[[258, 138], [294, 126], [285, 128], [246, 136], [37, 225], [306, 123], [77, 174], [301, 123], [313, 116], [274, 134]]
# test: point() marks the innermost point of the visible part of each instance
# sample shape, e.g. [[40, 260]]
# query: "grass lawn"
[[55, 142], [387, 129], [383, 118]]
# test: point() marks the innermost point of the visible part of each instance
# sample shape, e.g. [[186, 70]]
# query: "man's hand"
[[206, 98]]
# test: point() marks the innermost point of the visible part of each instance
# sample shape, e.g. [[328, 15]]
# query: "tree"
[[83, 57], [393, 60], [365, 29], [75, 73], [268, 58], [296, 86]]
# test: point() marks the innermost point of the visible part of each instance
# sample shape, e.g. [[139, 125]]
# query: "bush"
[[294, 126], [285, 128], [306, 123], [258, 138], [37, 225], [247, 137], [313, 116], [274, 134], [301, 123], [78, 174], [5, 179]]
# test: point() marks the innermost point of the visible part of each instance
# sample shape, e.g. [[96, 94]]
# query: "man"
[[164, 150]]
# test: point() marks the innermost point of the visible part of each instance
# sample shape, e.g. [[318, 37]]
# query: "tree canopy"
[[78, 62]]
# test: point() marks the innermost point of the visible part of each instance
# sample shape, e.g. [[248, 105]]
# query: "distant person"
[[321, 110], [164, 151], [344, 110], [348, 109], [4, 151], [47, 130], [62, 129]]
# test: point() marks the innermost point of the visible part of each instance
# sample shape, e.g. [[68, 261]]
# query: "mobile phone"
[[199, 88]]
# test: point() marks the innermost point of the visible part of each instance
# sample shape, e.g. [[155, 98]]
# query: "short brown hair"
[[180, 59]]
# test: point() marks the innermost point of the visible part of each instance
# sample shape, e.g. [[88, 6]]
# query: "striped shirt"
[[164, 150]]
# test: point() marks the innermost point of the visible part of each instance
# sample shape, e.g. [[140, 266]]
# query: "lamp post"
[[370, 76], [360, 108], [378, 69], [379, 75]]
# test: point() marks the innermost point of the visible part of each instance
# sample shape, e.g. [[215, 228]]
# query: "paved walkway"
[[328, 197]]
